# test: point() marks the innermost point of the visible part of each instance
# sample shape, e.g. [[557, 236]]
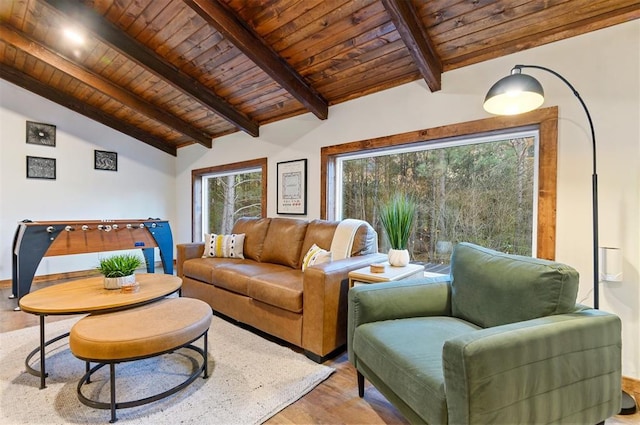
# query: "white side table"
[[390, 274]]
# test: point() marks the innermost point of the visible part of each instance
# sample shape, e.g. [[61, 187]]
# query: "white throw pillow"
[[316, 255], [224, 246]]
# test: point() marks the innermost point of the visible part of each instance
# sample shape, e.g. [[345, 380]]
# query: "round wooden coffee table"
[[89, 296]]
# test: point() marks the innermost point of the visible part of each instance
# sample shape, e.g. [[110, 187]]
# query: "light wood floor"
[[335, 401]]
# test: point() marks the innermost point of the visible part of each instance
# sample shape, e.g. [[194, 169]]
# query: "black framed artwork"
[[41, 168], [103, 160], [292, 187], [41, 134]]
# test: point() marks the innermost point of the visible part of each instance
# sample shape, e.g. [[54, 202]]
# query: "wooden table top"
[[89, 295]]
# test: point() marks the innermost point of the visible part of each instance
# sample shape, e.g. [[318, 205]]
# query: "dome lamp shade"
[[515, 94]]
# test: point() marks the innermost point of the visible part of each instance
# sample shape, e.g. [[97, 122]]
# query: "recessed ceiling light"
[[73, 35]]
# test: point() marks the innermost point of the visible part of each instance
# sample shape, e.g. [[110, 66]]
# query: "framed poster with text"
[[292, 187]]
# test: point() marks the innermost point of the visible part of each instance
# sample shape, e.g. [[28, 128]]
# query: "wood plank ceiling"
[[171, 73]]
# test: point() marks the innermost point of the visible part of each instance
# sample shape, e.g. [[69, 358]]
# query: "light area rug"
[[250, 380]]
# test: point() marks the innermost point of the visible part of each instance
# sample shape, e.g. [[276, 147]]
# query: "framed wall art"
[[41, 168], [41, 134], [103, 160], [292, 187]]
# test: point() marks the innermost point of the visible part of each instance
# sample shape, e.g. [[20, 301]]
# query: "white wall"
[[604, 66], [143, 186]]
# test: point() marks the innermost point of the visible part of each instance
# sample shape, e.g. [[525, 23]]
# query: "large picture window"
[[223, 194], [491, 182], [477, 188]]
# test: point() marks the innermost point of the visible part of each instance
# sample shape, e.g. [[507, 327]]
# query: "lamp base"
[[628, 404]]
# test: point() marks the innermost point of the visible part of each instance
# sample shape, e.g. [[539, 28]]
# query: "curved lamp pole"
[[519, 93]]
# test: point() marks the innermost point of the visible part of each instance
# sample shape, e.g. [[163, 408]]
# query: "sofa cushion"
[[315, 255], [202, 269], [490, 288], [283, 242], [413, 371], [224, 246], [255, 230], [281, 289], [238, 276], [320, 233]]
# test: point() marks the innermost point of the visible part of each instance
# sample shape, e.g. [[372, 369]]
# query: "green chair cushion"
[[490, 288], [412, 371]]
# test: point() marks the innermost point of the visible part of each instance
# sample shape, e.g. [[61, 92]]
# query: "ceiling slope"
[[171, 73]]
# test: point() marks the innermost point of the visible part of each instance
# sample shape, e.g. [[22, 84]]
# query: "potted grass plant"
[[397, 215], [118, 270]]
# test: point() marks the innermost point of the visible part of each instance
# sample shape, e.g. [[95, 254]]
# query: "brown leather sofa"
[[268, 289]]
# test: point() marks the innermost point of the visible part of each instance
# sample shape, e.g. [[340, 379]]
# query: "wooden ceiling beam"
[[405, 17], [37, 50], [135, 51], [38, 87], [255, 48]]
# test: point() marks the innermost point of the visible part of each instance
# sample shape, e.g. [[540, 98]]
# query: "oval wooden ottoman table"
[[139, 333]]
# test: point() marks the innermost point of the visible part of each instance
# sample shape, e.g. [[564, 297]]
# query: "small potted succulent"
[[397, 216], [118, 270]]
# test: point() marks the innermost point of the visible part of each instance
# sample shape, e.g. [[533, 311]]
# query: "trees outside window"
[[228, 197], [446, 169], [223, 194], [476, 189]]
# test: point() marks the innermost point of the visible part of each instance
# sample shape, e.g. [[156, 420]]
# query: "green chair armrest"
[[428, 296], [526, 371]]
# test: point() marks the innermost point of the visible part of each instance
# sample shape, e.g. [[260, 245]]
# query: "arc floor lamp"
[[519, 93]]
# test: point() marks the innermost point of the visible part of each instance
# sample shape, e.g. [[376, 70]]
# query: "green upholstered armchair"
[[500, 341]]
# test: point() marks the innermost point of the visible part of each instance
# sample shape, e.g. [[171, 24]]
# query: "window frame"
[[545, 120], [199, 174]]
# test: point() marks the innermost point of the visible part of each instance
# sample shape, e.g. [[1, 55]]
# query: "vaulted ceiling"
[[171, 73]]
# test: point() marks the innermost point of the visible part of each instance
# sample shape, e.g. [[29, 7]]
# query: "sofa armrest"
[[427, 296], [496, 375], [324, 294], [185, 251]]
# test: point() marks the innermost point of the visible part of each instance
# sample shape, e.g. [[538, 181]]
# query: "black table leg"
[[43, 372]]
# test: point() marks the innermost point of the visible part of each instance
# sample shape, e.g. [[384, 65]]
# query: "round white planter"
[[398, 257], [117, 282]]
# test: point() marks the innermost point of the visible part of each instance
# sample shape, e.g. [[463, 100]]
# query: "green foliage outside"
[[480, 193], [119, 265], [232, 197]]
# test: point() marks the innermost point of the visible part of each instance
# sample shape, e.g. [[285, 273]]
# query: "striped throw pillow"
[[224, 246], [316, 255]]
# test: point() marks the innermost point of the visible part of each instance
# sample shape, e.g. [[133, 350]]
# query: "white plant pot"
[[398, 257], [118, 282]]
